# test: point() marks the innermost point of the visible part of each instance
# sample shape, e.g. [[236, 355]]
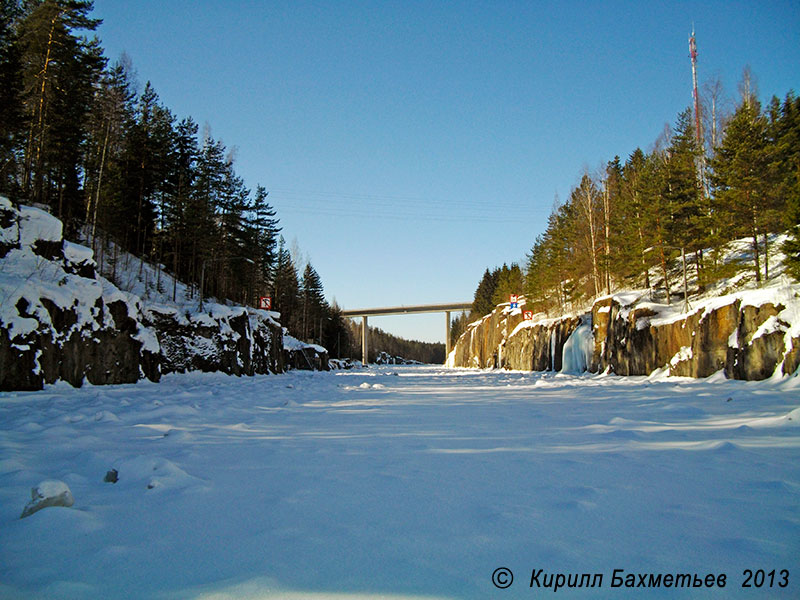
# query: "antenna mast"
[[701, 159], [693, 55]]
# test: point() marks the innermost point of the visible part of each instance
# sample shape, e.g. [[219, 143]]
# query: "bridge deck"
[[402, 310]]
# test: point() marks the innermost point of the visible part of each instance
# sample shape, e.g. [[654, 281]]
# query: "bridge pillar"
[[364, 341], [447, 336]]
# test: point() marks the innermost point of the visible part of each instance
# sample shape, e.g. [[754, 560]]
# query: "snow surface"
[[398, 482]]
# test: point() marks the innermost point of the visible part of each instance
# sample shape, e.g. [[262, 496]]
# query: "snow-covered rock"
[[48, 493], [304, 355], [752, 334], [59, 320], [234, 340], [505, 339]]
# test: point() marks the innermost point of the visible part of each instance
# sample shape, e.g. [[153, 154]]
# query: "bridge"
[[403, 310]]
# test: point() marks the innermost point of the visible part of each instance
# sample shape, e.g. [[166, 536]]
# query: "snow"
[[292, 343], [682, 355], [397, 482], [36, 224], [75, 253], [27, 276]]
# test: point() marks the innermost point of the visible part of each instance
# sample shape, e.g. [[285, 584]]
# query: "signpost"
[[514, 301], [265, 303], [527, 315]]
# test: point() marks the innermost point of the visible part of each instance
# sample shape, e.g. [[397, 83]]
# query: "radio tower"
[[701, 159], [693, 55]]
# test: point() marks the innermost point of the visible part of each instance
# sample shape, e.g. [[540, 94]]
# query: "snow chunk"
[[77, 254], [682, 355], [48, 493], [38, 225]]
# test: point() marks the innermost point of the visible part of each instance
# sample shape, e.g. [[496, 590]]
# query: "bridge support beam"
[[364, 341], [447, 336]]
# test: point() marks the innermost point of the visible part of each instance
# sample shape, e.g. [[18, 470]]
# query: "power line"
[[375, 206]]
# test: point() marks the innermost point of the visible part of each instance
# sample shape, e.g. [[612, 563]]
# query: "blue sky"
[[407, 146]]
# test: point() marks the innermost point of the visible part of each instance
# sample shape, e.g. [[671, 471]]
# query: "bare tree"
[[748, 87], [717, 111], [587, 197]]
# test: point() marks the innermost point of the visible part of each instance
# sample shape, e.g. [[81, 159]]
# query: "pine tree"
[[111, 112], [11, 117], [786, 163], [336, 336], [458, 326], [658, 216], [740, 175], [612, 190], [265, 226], [209, 183], [632, 236], [285, 286], [312, 303], [148, 154], [483, 303], [683, 191], [178, 204], [791, 247], [509, 281], [59, 70], [552, 270]]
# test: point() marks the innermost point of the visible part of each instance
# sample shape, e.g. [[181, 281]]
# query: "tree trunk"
[[663, 258], [587, 202], [34, 163], [756, 257], [99, 182], [606, 220], [754, 232]]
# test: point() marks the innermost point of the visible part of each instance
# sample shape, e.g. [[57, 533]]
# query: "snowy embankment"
[[60, 320], [751, 334], [400, 482]]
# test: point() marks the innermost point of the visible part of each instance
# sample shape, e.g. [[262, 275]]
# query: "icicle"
[[577, 352]]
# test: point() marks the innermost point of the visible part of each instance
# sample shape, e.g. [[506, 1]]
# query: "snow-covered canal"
[[401, 482]]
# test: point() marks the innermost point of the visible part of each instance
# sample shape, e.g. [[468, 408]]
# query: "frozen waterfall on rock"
[[577, 353]]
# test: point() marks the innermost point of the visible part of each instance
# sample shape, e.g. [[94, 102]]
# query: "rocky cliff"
[[234, 340], [748, 335], [61, 321]]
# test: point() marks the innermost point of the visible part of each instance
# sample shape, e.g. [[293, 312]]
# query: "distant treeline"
[[380, 341], [682, 199]]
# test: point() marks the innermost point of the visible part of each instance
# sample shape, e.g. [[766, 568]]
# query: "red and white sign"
[[527, 315], [265, 302], [514, 298]]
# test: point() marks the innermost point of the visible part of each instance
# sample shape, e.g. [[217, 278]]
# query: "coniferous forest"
[[80, 136], [682, 202]]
